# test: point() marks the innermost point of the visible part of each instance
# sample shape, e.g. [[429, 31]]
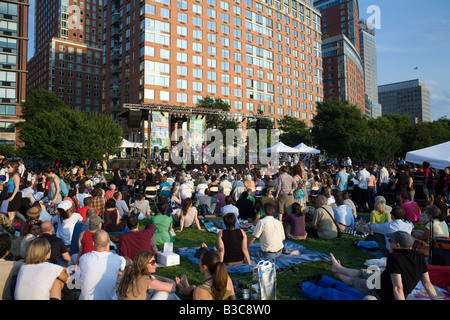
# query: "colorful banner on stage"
[[160, 130], [196, 131]]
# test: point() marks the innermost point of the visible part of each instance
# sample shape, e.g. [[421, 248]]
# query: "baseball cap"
[[65, 205], [404, 239], [95, 221]]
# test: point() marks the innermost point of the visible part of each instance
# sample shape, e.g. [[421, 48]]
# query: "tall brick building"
[[342, 64], [68, 52], [13, 59], [257, 55]]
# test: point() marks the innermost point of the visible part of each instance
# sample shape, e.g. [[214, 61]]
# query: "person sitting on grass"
[[140, 283], [270, 232], [232, 243], [37, 278], [295, 222], [217, 285], [405, 267], [188, 217]]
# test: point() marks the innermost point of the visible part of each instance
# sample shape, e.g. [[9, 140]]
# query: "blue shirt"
[[343, 179]]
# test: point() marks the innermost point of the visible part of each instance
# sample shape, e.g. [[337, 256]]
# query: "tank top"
[[87, 242], [11, 185], [227, 294], [232, 241]]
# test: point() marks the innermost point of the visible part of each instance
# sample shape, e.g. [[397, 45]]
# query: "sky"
[[411, 34]]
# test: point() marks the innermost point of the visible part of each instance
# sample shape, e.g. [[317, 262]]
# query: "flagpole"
[[418, 73]]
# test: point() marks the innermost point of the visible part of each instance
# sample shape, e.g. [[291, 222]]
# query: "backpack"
[[63, 187]]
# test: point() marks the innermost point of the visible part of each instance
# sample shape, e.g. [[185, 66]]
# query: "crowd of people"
[[88, 226]]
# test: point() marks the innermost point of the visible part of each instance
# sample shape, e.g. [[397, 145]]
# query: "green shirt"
[[162, 223]]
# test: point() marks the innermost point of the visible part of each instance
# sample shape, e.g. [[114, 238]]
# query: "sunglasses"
[[33, 222], [152, 262]]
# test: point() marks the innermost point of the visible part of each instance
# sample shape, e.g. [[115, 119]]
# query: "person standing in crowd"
[[400, 181], [14, 199], [285, 192], [54, 191]]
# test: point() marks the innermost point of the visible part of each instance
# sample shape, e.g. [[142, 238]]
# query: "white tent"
[[438, 156], [303, 148], [280, 147], [128, 144]]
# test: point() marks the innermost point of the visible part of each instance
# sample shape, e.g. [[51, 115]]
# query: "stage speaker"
[[134, 119], [261, 124]]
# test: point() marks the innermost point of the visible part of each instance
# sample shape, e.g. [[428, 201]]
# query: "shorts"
[[361, 283], [428, 190], [285, 202]]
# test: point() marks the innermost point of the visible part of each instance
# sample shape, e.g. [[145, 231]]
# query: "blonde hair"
[[37, 251], [380, 207]]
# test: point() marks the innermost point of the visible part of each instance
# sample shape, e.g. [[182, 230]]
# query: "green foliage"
[[53, 131], [341, 130], [335, 124], [293, 131]]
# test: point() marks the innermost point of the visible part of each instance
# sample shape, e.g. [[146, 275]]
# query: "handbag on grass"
[[265, 274]]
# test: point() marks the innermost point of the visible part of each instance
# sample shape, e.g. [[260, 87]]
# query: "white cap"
[[65, 205]]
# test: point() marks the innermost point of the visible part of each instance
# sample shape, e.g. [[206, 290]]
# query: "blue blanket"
[[282, 262]]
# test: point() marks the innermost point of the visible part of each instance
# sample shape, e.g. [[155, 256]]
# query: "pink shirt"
[[412, 210]]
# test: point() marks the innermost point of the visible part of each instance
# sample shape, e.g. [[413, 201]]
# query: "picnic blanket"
[[283, 261], [211, 227]]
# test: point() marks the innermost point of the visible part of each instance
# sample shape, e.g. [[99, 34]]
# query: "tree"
[[55, 132], [372, 145], [335, 124], [216, 121], [294, 131]]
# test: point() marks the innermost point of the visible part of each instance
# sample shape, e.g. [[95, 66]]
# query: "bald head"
[[47, 227], [101, 240], [90, 213], [321, 200]]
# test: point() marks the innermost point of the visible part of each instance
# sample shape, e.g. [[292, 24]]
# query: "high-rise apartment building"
[[340, 17], [256, 55], [13, 59], [343, 69], [68, 52], [368, 49], [407, 97]]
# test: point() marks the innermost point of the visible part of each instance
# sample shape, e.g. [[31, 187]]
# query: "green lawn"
[[287, 288]]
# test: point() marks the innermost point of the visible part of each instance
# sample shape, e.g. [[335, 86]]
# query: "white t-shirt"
[[64, 229], [270, 232], [35, 281], [363, 177], [99, 275]]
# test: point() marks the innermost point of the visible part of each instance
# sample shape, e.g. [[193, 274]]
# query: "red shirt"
[[82, 212], [132, 242], [87, 242]]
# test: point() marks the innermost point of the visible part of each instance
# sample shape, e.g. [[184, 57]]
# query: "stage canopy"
[[128, 144], [280, 147], [438, 156], [303, 148]]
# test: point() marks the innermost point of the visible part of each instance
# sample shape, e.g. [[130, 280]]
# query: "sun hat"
[[34, 212]]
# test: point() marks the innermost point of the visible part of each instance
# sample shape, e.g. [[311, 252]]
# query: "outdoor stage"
[[157, 124]]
